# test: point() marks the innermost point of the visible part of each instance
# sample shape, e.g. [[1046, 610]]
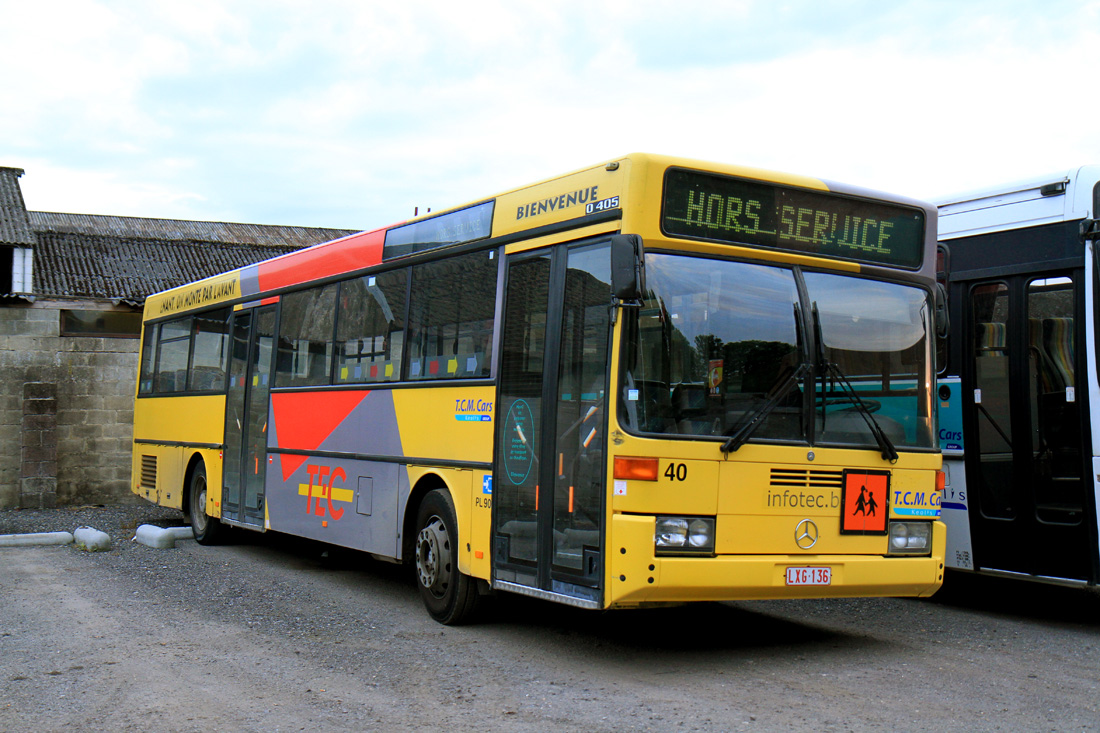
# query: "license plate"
[[809, 576]]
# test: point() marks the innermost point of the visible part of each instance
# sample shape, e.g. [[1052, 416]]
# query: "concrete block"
[[161, 538], [42, 450], [38, 492], [37, 538], [41, 314], [181, 533], [39, 469], [118, 402], [39, 391], [40, 407], [39, 422], [91, 539], [9, 492]]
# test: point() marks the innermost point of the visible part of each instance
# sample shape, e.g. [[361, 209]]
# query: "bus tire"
[[208, 530], [450, 595]]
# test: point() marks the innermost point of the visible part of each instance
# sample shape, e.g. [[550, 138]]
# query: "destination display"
[[708, 206], [464, 225]]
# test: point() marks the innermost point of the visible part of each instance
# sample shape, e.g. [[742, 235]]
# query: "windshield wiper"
[[746, 430], [889, 453]]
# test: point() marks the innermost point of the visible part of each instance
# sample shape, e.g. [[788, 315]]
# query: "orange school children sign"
[[865, 498]]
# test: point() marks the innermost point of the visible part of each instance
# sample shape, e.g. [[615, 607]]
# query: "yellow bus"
[[650, 381]]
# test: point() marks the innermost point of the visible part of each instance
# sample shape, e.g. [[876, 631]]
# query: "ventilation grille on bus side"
[[809, 479], [148, 472]]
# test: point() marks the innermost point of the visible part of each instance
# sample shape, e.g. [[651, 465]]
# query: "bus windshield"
[[718, 344]]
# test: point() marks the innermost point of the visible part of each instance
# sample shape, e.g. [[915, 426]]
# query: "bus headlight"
[[910, 538], [684, 536]]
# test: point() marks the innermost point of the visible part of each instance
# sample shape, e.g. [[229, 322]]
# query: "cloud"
[[103, 192], [277, 112]]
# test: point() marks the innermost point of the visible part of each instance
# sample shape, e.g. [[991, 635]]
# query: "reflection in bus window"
[[713, 339], [716, 340], [148, 359], [876, 333], [175, 342], [305, 337], [451, 317], [370, 328], [209, 351]]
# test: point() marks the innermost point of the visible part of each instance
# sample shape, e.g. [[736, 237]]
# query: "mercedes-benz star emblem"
[[805, 534]]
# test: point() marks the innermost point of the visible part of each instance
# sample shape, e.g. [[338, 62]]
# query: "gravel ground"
[[273, 633], [117, 521]]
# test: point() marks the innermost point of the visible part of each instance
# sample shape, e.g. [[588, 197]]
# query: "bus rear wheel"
[[450, 595], [208, 530]]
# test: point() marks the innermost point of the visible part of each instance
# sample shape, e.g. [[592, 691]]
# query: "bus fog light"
[[910, 538], [684, 535]]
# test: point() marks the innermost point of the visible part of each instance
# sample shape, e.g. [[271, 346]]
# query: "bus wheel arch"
[[431, 538], [208, 530]]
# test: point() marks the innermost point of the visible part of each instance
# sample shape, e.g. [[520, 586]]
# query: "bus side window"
[[148, 359], [172, 350], [305, 337], [451, 317], [370, 328], [209, 351]]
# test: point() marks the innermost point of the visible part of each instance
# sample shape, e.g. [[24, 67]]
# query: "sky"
[[354, 113]]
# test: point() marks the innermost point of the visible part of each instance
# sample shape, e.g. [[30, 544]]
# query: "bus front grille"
[[148, 472], [807, 478]]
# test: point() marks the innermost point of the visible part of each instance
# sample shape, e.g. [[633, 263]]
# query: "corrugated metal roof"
[[175, 230], [127, 268], [14, 225]]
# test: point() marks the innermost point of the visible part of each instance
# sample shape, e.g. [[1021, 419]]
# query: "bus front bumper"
[[665, 579]]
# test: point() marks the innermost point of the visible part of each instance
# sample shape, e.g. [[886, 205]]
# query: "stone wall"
[[66, 412]]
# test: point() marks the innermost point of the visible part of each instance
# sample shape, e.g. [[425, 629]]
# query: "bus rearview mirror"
[[626, 267], [943, 322]]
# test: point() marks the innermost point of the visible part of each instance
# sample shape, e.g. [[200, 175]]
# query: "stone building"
[[71, 291]]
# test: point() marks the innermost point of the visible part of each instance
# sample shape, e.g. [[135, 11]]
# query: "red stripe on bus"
[[323, 260], [304, 419]]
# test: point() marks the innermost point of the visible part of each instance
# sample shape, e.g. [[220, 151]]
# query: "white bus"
[[1018, 379]]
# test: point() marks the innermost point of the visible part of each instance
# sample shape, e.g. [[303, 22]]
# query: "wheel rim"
[[433, 557], [198, 504]]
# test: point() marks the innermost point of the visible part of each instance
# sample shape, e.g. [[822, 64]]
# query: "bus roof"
[[1057, 197], [560, 200]]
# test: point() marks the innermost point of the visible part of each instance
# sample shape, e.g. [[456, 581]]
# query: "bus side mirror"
[[943, 322], [626, 267]]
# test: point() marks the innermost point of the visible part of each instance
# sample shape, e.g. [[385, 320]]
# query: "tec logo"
[[321, 486]]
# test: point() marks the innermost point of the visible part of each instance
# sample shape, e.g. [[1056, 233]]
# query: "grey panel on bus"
[[331, 508], [320, 495]]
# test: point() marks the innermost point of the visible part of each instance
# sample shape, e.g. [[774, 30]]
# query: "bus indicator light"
[[638, 469]]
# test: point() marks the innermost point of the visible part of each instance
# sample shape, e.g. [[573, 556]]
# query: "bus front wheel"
[[450, 595], [207, 529]]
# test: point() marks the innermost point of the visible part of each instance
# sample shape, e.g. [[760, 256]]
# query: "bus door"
[[1028, 507], [550, 458], [246, 405]]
